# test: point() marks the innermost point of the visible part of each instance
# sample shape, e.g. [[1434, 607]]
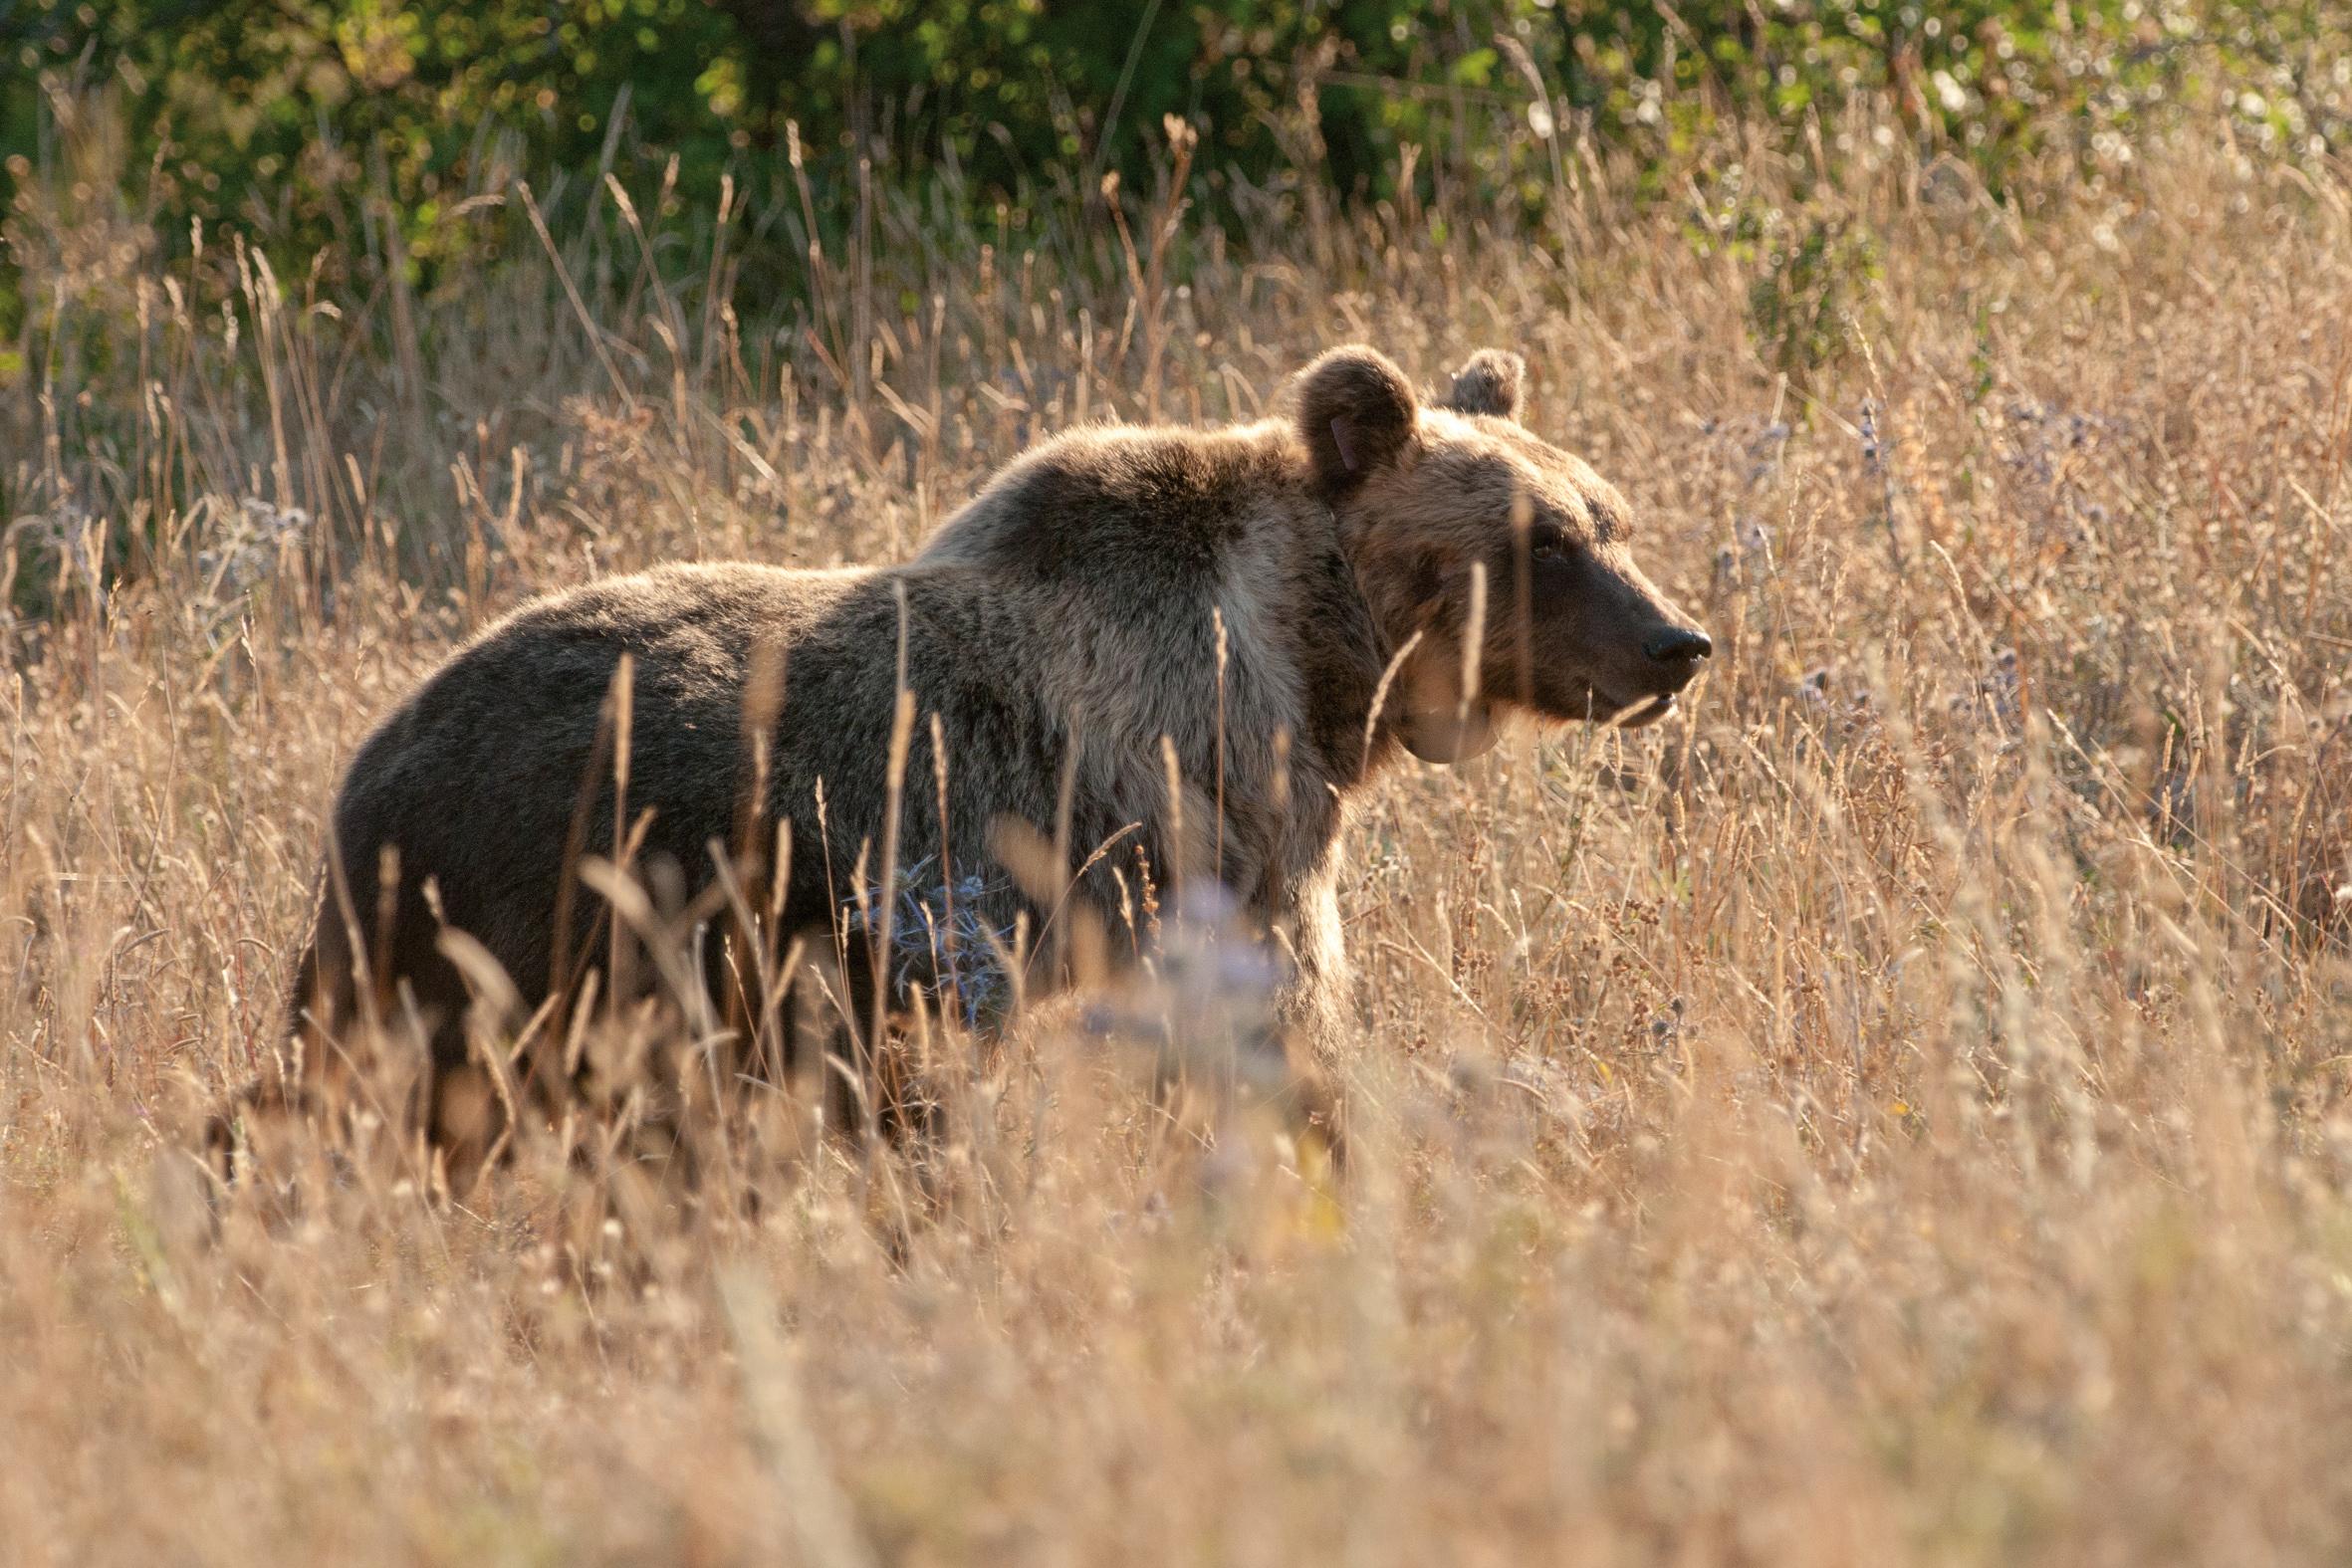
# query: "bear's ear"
[[1493, 382], [1355, 412]]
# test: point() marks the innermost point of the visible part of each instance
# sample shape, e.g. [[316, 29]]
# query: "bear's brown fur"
[[1064, 629]]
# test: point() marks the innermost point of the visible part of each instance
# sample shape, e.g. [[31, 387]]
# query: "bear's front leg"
[[1313, 1004], [1316, 1014]]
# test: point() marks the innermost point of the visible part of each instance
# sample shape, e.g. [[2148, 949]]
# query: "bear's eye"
[[1548, 543]]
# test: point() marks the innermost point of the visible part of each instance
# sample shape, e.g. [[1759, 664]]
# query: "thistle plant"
[[941, 939]]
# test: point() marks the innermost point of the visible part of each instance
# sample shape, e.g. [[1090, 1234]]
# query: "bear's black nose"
[[1678, 645]]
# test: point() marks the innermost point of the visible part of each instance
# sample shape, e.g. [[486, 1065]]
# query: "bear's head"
[[1499, 567]]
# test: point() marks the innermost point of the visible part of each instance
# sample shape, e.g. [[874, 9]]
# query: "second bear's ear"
[[1494, 381], [1356, 413]]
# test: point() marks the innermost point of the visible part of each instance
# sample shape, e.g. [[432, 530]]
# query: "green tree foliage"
[[345, 126]]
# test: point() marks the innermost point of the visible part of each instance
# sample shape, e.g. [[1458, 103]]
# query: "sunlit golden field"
[[1894, 1111]]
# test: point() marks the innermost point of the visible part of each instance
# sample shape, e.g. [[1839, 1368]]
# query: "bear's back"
[[1129, 506]]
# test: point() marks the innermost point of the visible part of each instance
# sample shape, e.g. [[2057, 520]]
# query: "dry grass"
[[1896, 1112]]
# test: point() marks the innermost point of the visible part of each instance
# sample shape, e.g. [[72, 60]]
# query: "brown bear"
[[1170, 653]]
